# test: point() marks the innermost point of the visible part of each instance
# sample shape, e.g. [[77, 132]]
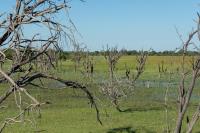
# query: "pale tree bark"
[[28, 49], [114, 89], [184, 93]]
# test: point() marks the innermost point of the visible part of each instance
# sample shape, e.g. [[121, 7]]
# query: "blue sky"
[[134, 24], [131, 24]]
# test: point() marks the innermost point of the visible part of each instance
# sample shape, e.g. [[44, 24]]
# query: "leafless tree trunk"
[[115, 88], [127, 72], [88, 65], [140, 66], [78, 53], [112, 56], [161, 69], [28, 49], [184, 92]]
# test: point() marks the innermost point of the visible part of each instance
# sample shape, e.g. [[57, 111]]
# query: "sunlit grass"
[[70, 111]]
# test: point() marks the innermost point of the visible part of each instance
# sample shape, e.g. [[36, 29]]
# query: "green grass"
[[71, 113], [82, 121]]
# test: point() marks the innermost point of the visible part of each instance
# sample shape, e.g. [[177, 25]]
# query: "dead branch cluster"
[[185, 92], [32, 49], [78, 54], [112, 56], [35, 53], [88, 66], [116, 89], [139, 69]]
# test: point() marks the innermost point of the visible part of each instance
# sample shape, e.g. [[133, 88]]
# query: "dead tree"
[[127, 71], [88, 65], [46, 61], [116, 89], [185, 93], [139, 69], [162, 69], [140, 65], [27, 49], [112, 56], [78, 53]]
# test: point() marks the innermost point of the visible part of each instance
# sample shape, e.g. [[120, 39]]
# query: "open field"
[[144, 110], [86, 66]]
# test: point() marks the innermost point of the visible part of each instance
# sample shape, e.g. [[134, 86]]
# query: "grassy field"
[[71, 113]]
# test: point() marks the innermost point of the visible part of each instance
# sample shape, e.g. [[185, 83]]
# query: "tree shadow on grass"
[[129, 110], [129, 129], [122, 130]]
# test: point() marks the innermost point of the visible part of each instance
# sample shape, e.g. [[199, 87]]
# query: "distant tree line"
[[66, 55]]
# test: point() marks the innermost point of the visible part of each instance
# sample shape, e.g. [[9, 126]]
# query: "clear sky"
[[134, 24], [131, 24]]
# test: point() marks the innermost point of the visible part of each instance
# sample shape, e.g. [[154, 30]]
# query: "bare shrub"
[[185, 91], [29, 48], [116, 89]]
